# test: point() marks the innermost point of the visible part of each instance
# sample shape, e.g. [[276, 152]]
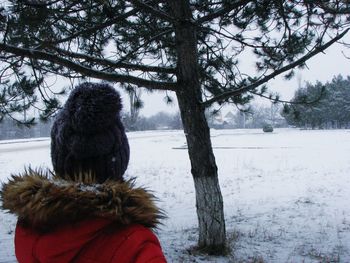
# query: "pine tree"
[[192, 48], [329, 105]]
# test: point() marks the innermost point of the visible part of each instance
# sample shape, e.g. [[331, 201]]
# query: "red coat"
[[89, 241], [64, 222]]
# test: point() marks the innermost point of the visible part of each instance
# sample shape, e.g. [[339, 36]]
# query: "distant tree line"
[[322, 106], [260, 115], [255, 117], [10, 129], [313, 106], [159, 121]]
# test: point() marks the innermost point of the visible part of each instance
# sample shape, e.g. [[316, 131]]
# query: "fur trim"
[[43, 202]]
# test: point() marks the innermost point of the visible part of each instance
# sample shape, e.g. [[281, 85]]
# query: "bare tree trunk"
[[212, 232], [209, 203]]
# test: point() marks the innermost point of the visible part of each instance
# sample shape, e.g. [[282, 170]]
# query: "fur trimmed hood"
[[43, 201]]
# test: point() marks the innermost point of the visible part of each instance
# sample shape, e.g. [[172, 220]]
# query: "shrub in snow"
[[268, 128]]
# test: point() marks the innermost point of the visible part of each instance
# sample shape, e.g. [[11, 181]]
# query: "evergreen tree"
[[330, 107], [191, 47]]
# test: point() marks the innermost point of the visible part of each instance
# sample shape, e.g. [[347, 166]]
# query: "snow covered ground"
[[286, 194]]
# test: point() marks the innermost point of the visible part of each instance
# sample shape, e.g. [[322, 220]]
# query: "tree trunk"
[[209, 203]]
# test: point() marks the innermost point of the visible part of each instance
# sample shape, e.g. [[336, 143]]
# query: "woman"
[[85, 211]]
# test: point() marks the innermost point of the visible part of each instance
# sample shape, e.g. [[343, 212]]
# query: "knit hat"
[[87, 135]]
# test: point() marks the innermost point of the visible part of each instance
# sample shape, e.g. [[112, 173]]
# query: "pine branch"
[[135, 50], [39, 4], [152, 10], [92, 30], [222, 11], [329, 9], [111, 21], [300, 61], [311, 102], [89, 72], [115, 65]]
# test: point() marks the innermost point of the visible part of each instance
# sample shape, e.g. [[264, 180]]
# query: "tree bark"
[[209, 203]]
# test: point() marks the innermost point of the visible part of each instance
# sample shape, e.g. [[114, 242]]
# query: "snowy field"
[[286, 194]]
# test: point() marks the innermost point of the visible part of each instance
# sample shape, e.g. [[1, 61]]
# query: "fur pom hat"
[[87, 135]]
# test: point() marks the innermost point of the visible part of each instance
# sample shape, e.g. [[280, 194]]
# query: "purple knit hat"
[[88, 136]]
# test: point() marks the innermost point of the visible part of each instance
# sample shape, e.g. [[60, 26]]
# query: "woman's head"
[[87, 137]]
